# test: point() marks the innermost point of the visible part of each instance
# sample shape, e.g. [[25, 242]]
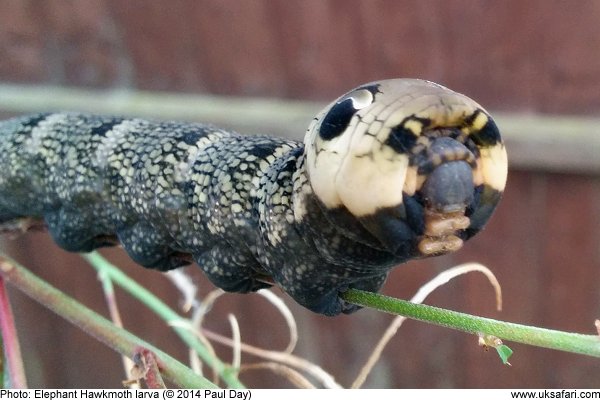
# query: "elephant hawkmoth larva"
[[391, 171]]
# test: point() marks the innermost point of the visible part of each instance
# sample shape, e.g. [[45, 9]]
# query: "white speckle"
[[162, 182], [226, 187], [153, 169], [170, 158]]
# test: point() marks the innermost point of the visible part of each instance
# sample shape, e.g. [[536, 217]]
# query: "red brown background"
[[540, 57]]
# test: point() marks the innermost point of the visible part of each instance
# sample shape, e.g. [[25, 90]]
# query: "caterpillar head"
[[420, 166]]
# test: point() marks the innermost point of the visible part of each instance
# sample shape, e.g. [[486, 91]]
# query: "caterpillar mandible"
[[390, 171]]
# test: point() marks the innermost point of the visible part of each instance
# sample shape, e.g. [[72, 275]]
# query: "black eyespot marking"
[[488, 136], [401, 139], [337, 119]]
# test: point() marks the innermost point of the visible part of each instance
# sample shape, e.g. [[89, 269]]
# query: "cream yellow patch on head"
[[478, 174], [479, 122], [411, 181], [323, 166], [415, 126], [494, 166], [365, 184]]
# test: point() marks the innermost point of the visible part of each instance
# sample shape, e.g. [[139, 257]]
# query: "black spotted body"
[[252, 209]]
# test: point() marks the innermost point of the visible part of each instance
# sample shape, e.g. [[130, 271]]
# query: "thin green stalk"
[[165, 312], [551, 339], [99, 327]]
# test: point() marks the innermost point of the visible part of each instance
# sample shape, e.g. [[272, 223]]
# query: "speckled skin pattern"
[[242, 207]]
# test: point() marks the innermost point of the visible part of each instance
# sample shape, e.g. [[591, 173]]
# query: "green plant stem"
[[165, 312], [99, 327], [15, 372], [551, 339]]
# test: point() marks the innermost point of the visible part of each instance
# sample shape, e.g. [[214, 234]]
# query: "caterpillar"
[[391, 171]]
